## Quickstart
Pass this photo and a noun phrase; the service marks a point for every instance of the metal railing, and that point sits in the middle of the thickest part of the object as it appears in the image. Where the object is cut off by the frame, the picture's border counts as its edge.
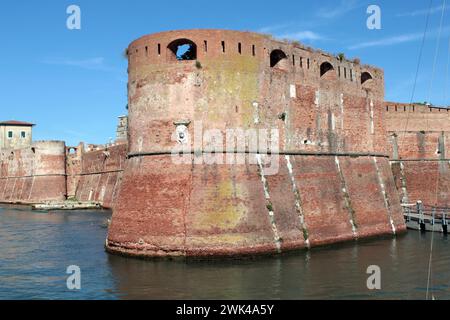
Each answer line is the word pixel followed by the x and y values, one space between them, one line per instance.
pixel 424 214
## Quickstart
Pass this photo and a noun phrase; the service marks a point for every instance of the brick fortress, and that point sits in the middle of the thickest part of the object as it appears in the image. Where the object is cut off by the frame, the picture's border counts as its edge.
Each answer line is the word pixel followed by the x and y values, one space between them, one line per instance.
pixel 334 182
pixel 41 171
pixel 346 159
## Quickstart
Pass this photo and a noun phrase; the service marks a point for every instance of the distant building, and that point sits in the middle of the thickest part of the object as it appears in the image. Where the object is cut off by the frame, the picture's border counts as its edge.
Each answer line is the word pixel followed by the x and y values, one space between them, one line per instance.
pixel 15 134
pixel 122 129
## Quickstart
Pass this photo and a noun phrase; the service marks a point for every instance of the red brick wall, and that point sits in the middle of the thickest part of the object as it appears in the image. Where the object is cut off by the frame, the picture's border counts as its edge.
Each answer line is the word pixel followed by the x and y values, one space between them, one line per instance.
pixel 406 117
pixel 419 139
pixel 193 209
pixel 33 174
pixel 100 175
pixel 203 210
pixel 73 168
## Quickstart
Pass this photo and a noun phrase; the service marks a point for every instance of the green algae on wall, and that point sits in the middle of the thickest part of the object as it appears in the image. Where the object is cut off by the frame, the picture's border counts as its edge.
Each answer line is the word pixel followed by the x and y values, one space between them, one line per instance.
pixel 235 80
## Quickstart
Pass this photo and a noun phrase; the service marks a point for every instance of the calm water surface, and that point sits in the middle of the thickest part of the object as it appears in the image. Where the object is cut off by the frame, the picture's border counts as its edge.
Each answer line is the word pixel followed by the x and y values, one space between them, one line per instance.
pixel 36 248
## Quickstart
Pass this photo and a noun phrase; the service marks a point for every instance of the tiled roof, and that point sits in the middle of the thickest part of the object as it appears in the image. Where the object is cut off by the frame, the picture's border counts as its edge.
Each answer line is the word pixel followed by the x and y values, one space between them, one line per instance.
pixel 16 123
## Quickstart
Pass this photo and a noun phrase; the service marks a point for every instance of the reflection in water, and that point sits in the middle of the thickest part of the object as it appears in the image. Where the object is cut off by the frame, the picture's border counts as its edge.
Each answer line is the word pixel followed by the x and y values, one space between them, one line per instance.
pixel 36 248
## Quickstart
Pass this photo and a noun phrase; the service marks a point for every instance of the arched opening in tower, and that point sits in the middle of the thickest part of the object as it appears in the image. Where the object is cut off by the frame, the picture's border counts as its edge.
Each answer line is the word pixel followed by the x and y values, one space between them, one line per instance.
pixel 365 76
pixel 182 49
pixel 325 68
pixel 278 59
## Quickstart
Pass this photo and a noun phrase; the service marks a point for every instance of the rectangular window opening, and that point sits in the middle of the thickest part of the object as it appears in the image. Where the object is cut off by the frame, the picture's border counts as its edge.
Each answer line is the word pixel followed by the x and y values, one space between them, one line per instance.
pixel 223 46
pixel 301 62
pixel 253 50
pixel 240 48
pixel 308 63
pixel 159 49
pixel 10 134
pixel 206 45
pixel 23 134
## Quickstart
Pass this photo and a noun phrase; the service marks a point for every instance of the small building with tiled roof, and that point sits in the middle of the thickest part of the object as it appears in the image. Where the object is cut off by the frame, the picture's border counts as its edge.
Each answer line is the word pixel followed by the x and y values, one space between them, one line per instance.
pixel 16 123
pixel 15 134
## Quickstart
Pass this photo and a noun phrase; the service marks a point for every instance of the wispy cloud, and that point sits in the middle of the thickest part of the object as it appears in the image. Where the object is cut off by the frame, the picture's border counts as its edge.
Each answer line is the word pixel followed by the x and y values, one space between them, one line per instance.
pixel 274 28
pixel 342 8
pixel 398 39
pixel 422 12
pixel 291 31
pixel 96 63
pixel 302 36
pixel 388 41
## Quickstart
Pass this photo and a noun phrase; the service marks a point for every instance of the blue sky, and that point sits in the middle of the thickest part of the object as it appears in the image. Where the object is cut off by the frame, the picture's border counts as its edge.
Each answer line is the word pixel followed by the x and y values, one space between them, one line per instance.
pixel 72 83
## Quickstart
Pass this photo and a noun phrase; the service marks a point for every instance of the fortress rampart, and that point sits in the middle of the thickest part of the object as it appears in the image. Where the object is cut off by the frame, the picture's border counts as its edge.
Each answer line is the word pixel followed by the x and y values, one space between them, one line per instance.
pixel 100 175
pixel 50 171
pixel 33 173
pixel 333 181
pixel 418 141
pixel 244 144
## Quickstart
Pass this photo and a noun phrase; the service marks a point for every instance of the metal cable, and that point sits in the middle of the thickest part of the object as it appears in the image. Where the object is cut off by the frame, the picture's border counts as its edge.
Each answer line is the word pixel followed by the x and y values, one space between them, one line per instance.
pixel 446 73
pixel 429 279
pixel 419 60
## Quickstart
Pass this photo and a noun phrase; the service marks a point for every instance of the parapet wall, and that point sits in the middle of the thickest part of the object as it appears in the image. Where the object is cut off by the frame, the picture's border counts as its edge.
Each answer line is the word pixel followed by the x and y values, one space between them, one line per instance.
pixel 333 181
pixel 416 117
pixel 48 171
pixel 34 173
pixel 419 138
pixel 227 88
pixel 100 174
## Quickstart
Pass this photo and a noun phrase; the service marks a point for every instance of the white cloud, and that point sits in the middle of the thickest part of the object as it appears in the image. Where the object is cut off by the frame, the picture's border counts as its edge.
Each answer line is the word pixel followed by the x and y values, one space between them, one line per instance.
pixel 344 7
pixel 97 63
pixel 422 12
pixel 291 31
pixel 388 41
pixel 398 39
pixel 301 35
pixel 273 28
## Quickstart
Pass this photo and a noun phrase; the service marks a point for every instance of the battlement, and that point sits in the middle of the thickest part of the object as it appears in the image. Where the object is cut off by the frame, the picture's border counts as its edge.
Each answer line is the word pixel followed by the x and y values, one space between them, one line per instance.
pixel 244 51
pixel 416 117
pixel 414 107
pixel 229 79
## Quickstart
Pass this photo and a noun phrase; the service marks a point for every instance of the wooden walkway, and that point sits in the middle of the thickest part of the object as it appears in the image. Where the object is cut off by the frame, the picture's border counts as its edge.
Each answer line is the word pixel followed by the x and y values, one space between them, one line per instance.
pixel 426 219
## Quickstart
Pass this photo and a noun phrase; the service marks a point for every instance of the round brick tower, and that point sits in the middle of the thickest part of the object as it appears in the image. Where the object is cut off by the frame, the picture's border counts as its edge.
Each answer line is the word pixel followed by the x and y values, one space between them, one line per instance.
pixel 326 178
